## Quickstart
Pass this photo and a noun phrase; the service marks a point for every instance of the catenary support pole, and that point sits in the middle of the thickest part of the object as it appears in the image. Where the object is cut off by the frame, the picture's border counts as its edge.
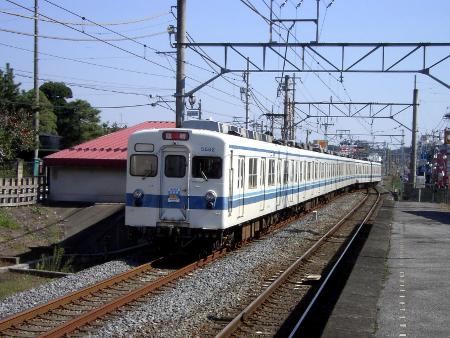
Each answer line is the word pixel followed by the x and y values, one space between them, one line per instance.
pixel 413 164
pixel 181 77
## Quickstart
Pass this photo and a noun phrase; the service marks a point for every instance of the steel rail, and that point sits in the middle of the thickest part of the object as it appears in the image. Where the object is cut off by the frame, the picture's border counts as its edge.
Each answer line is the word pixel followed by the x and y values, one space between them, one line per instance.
pixel 66 299
pixel 90 316
pixel 335 266
pixel 228 330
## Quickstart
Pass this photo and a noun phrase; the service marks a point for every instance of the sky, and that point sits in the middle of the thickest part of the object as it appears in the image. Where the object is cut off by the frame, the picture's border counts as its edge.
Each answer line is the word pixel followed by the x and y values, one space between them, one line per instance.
pixel 128 63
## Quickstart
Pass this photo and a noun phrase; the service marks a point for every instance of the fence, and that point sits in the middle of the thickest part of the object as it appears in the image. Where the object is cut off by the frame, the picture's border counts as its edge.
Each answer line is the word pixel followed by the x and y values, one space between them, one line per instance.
pixel 428 194
pixel 17 190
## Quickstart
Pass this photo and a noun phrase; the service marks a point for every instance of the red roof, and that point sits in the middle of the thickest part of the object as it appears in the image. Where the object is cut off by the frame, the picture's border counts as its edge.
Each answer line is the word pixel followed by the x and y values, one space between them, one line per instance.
pixel 108 150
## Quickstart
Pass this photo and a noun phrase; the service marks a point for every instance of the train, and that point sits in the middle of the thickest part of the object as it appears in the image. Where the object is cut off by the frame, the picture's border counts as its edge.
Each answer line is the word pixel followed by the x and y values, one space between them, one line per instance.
pixel 216 184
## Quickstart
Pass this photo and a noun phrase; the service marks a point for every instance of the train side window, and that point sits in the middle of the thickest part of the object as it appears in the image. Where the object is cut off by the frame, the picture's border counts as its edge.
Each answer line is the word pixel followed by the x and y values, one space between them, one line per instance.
pixel 143 165
pixel 211 167
pixel 316 170
pixel 271 178
pixel 252 172
pixel 262 176
pixel 279 172
pixel 286 172
pixel 175 166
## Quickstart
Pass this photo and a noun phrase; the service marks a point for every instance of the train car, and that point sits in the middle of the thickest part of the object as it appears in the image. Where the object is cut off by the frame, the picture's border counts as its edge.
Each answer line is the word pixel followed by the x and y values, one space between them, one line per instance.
pixel 226 184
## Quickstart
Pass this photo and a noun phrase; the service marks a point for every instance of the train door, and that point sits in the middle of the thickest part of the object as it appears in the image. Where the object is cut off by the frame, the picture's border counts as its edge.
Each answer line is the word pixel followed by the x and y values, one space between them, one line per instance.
pixel 230 185
pixel 240 185
pixel 174 201
pixel 262 183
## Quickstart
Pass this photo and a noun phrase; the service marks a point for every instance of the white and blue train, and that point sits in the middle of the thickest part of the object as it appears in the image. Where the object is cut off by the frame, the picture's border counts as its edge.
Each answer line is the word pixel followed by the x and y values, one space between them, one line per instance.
pixel 226 184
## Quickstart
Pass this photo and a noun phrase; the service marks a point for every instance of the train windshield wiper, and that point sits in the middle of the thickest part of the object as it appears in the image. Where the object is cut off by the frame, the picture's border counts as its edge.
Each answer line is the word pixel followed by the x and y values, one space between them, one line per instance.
pixel 203 175
pixel 147 174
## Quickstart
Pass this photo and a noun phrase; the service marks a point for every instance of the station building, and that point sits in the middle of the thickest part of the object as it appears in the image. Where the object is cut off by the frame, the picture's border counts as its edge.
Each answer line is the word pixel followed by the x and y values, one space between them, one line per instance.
pixel 94 171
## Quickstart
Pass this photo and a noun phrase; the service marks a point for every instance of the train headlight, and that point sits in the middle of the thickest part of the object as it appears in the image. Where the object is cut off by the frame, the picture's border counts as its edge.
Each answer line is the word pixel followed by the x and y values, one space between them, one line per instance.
pixel 138 196
pixel 210 198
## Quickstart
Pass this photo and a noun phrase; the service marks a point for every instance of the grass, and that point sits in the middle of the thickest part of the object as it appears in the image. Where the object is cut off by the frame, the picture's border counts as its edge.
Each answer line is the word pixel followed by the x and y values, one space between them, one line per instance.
pixel 11 283
pixel 55 262
pixel 7 222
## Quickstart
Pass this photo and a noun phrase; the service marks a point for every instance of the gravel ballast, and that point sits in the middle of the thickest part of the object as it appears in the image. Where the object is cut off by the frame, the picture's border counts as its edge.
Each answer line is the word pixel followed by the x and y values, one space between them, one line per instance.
pixel 219 290
pixel 25 300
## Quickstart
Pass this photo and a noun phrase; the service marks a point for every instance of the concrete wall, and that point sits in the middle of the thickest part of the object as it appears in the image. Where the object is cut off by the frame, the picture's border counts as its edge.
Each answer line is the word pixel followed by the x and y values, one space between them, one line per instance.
pixel 87 184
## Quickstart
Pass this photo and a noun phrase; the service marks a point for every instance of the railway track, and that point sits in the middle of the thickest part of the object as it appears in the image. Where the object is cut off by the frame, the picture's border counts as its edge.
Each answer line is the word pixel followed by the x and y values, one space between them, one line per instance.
pixel 82 312
pixel 74 311
pixel 295 289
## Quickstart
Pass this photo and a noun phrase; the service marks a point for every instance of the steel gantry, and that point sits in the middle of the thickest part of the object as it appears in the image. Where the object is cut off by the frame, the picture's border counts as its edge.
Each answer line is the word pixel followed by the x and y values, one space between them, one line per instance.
pixel 365 110
pixel 360 61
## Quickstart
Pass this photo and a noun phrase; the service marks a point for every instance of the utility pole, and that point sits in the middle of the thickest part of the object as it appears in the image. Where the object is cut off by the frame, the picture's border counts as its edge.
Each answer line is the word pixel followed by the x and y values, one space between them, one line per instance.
pixel 292 106
pixel 247 75
pixel 403 153
pixel 307 135
pixel 413 164
pixel 181 77
pixel 36 92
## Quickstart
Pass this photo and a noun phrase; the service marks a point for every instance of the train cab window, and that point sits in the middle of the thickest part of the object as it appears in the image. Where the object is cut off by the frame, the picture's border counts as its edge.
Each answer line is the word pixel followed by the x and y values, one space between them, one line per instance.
pixel 205 166
pixel 143 165
pixel 175 166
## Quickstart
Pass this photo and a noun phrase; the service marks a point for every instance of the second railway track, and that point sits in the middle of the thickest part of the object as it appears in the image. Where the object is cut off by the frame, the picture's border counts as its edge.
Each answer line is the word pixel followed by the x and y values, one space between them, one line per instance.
pixel 294 289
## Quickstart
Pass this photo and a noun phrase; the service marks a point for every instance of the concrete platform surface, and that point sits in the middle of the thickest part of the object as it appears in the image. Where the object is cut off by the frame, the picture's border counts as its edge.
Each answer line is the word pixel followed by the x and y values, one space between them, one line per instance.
pixel 415 301
pixel 399 285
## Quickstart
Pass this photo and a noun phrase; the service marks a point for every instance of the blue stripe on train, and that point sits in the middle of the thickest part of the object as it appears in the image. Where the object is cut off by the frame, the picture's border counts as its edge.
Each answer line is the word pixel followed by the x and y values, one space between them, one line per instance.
pixel 199 202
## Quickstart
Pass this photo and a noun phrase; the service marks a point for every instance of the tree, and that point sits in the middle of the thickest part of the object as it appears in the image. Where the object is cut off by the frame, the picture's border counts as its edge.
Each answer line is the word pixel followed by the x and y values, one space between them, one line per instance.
pixel 47 117
pixel 78 123
pixel 109 127
pixel 16 128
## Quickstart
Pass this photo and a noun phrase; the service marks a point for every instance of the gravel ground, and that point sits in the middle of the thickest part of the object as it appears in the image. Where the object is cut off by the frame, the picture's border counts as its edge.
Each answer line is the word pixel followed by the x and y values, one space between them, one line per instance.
pixel 24 300
pixel 217 291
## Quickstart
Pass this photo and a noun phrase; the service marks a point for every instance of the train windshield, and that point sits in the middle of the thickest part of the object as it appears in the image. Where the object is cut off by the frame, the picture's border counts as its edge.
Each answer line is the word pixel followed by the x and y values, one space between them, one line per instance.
pixel 211 167
pixel 143 165
pixel 175 166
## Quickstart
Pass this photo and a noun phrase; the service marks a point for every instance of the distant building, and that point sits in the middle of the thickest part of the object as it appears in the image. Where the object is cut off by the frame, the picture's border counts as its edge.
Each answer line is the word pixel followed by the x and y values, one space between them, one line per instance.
pixel 94 171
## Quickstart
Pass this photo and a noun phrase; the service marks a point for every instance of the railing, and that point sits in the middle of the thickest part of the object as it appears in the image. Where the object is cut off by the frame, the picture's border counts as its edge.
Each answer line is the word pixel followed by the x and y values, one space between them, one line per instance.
pixel 430 193
pixel 17 190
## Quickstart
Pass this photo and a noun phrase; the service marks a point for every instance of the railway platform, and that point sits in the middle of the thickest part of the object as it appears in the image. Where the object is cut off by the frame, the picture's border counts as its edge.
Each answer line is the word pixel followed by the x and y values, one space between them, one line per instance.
pixel 397 284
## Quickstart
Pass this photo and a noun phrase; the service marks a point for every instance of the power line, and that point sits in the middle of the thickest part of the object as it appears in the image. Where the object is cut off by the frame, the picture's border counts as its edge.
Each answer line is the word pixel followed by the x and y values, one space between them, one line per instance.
pixel 51 37
pixel 89 63
pixel 132 21
pixel 94 37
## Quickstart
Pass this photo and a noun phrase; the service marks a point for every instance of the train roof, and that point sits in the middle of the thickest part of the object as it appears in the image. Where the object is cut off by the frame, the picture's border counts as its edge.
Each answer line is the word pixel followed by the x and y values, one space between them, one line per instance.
pixel 233 136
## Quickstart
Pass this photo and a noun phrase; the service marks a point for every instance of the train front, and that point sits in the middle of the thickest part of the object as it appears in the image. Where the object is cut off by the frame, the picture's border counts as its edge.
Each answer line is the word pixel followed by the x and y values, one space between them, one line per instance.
pixel 175 185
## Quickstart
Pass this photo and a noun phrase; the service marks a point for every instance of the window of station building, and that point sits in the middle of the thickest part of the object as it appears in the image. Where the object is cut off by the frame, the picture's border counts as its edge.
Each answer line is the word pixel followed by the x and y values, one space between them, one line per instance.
pixel 271 177
pixel 143 165
pixel 175 166
pixel 205 166
pixel 252 172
